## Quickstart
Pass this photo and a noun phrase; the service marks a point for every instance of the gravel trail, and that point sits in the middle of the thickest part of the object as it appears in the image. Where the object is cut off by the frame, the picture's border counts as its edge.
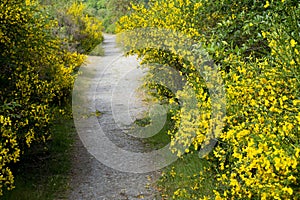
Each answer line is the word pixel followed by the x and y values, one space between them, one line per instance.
pixel 109 93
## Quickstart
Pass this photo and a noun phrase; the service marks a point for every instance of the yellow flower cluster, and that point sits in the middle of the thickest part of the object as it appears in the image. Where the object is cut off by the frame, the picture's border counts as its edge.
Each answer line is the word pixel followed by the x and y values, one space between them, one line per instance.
pixel 257 153
pixel 36 76
pixel 89 32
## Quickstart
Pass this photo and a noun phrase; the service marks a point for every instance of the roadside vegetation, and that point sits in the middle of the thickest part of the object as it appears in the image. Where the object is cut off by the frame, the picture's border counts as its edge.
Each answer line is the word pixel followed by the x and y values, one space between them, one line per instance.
pixel 255 47
pixel 42 46
pixel 43 171
pixel 109 11
pixel 43 43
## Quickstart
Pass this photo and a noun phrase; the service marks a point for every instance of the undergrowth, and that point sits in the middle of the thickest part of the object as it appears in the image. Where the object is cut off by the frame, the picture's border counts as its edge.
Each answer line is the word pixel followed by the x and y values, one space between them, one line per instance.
pixel 43 172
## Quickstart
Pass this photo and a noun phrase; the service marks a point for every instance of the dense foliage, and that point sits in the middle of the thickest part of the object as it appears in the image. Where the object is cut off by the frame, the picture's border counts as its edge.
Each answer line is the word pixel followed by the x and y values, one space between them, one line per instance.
pixel 255 45
pixel 77 27
pixel 80 31
pixel 109 11
pixel 36 76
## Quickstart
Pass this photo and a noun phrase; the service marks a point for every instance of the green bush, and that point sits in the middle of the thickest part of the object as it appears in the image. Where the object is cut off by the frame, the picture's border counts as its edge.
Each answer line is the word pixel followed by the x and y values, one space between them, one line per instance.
pixel 82 32
pixel 255 46
pixel 36 77
pixel 109 11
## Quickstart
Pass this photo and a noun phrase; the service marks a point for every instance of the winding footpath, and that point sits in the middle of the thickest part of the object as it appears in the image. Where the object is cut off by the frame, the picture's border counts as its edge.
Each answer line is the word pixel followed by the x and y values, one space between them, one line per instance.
pixel 112 91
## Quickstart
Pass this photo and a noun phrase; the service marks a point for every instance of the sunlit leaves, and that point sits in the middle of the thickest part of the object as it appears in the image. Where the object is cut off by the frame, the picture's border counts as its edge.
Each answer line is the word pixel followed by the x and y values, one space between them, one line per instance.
pixel 257 46
pixel 35 78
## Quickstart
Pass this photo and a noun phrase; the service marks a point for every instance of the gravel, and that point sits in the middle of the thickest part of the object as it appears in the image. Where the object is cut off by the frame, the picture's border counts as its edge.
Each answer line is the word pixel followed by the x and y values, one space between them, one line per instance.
pixel 108 97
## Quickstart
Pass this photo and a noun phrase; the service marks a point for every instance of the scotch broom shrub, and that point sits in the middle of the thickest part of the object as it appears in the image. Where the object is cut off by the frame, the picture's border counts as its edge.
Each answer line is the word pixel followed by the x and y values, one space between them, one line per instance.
pixel 36 77
pixel 81 31
pixel 255 46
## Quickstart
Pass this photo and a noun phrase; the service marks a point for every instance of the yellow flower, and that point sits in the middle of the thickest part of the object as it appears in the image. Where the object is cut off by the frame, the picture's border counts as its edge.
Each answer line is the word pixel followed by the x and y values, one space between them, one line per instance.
pixel 289 190
pixel 297 151
pixel 292 178
pixel 292 62
pixel 27 2
pixel 293 43
pixel 197 5
pixel 267 4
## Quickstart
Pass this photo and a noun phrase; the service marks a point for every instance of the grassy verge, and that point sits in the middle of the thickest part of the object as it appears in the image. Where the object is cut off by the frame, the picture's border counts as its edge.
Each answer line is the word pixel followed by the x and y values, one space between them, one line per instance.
pixel 184 173
pixel 161 138
pixel 42 174
pixel 98 51
pixel 180 180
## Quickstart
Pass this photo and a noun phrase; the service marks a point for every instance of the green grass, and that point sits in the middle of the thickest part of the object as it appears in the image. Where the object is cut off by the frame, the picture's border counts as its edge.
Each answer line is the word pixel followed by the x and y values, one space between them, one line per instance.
pixel 43 172
pixel 98 51
pixel 161 138
pixel 184 173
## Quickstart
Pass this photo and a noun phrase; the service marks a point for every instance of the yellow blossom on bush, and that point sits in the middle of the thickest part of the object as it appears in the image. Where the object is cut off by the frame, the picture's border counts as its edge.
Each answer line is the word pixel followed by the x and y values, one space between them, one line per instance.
pixel 257 154
pixel 36 77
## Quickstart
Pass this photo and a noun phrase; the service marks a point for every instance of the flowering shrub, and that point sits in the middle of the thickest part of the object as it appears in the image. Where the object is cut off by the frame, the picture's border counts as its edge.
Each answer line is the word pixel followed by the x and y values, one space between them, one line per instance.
pixel 255 45
pixel 36 77
pixel 82 32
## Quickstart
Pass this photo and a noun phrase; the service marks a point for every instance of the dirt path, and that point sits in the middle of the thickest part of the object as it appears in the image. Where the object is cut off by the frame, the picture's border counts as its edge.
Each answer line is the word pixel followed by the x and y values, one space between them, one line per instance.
pixel 107 92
